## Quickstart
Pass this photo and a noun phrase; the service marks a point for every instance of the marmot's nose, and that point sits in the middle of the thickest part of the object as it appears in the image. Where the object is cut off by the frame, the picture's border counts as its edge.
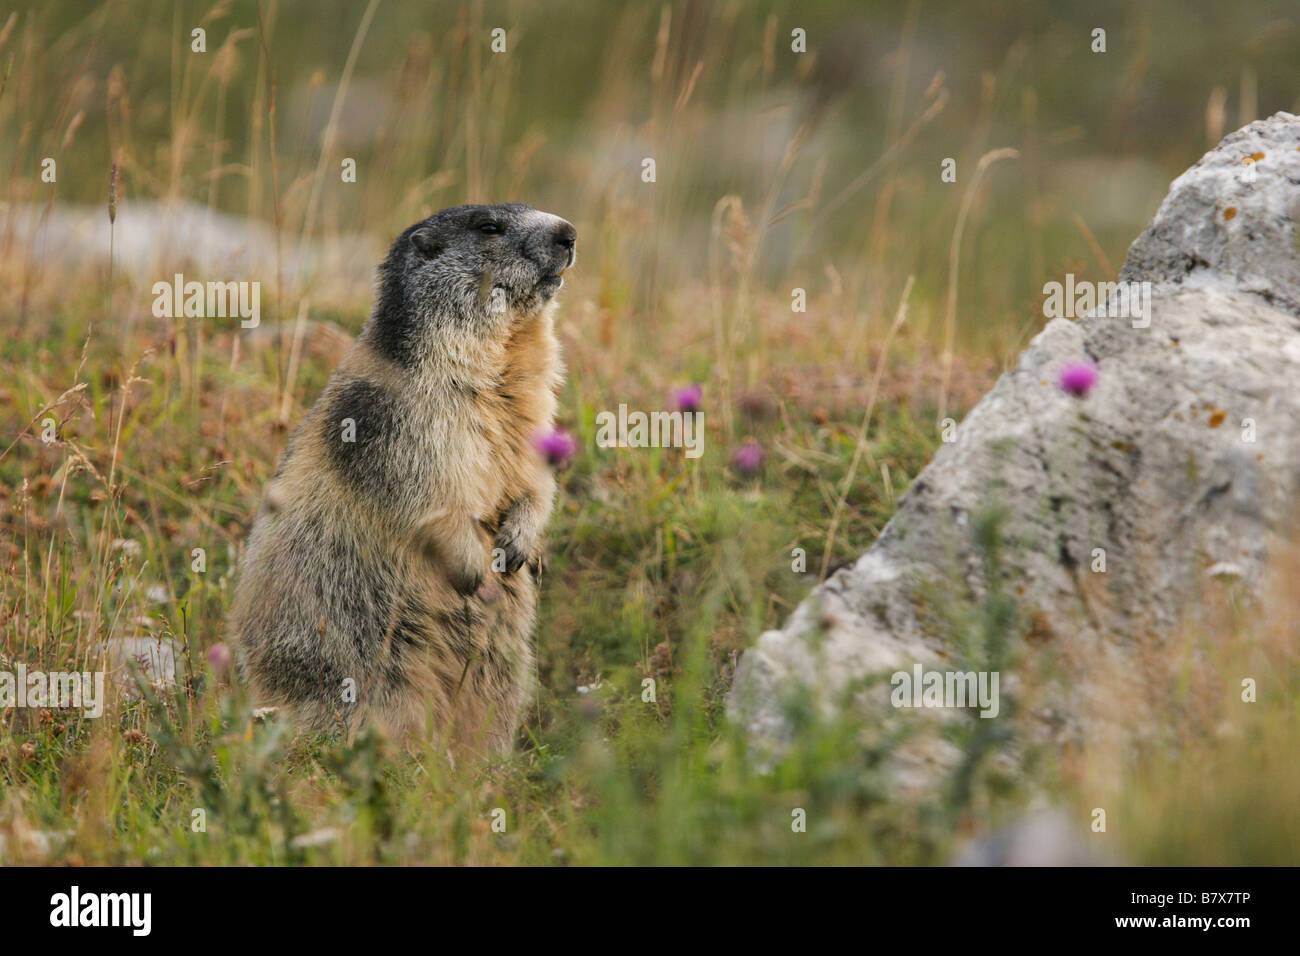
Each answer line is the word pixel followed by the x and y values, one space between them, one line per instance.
pixel 565 235
pixel 565 238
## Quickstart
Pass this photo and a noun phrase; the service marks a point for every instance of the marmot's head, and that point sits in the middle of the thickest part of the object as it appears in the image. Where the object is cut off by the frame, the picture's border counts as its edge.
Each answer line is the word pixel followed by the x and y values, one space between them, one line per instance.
pixel 475 268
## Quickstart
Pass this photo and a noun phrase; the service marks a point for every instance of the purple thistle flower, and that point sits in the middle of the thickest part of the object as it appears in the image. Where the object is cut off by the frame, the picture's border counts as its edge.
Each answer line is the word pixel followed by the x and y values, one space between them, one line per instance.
pixel 219 657
pixel 748 458
pixel 1078 378
pixel 556 445
pixel 688 398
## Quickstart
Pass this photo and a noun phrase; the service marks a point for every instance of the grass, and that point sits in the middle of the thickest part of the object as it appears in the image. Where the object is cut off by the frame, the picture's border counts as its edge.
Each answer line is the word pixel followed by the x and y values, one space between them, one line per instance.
pixel 659 568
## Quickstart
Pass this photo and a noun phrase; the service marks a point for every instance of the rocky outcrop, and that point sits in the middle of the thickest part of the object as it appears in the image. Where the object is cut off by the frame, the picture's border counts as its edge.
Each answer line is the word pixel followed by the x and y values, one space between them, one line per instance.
pixel 1176 473
pixel 151 239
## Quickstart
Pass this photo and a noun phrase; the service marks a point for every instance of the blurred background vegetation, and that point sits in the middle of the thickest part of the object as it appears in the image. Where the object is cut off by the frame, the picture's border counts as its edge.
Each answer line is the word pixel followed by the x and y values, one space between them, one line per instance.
pixel 831 153
pixel 775 171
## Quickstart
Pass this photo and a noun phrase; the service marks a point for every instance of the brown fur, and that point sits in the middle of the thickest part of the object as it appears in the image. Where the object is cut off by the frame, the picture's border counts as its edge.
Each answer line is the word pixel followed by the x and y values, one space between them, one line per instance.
pixel 400 590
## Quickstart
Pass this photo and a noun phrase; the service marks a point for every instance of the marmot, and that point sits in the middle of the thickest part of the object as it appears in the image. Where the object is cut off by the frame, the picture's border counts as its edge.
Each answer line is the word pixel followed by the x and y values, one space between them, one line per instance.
pixel 390 577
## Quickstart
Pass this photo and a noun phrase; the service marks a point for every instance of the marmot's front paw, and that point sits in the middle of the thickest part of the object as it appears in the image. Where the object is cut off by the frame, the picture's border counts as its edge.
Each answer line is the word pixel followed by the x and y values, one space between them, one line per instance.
pixel 511 554
pixel 516 539
pixel 462 557
pixel 465 580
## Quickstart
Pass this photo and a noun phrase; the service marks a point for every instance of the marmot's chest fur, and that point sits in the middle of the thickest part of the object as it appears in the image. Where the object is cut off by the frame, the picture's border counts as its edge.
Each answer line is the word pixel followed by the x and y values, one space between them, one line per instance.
pixel 391 573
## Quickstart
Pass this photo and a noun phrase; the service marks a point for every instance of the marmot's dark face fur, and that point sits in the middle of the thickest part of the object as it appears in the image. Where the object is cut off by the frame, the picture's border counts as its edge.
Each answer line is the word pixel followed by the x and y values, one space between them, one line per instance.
pixel 391 575
pixel 473 268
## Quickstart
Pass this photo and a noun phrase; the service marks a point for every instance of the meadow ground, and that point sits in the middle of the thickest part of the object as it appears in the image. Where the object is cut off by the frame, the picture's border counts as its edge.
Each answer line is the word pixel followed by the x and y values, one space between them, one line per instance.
pixel 918 292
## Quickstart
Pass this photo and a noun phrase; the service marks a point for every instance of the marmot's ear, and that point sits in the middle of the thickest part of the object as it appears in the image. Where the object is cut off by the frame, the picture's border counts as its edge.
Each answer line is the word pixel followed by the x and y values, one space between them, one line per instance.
pixel 426 243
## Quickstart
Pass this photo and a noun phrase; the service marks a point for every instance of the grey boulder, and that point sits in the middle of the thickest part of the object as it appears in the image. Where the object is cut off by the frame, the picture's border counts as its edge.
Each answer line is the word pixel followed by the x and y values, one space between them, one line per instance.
pixel 1175 474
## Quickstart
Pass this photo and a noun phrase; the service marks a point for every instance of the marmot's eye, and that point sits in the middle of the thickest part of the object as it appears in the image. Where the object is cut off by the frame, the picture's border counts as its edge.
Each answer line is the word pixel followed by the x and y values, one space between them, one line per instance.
pixel 489 228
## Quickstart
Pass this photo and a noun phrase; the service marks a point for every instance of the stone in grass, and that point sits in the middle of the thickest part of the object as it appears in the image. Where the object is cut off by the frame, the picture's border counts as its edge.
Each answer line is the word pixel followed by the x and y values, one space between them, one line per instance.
pixel 1121 511
pixel 1043 838
pixel 21 844
pixel 155 657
